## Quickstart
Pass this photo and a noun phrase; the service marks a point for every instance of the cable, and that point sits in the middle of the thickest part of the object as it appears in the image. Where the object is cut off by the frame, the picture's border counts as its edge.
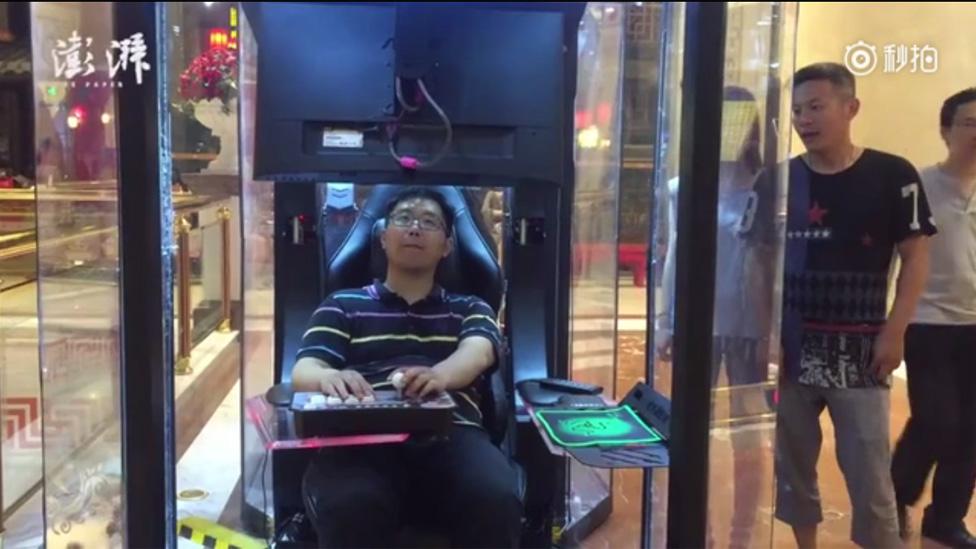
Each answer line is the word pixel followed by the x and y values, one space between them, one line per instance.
pixel 447 122
pixel 403 103
pixel 409 162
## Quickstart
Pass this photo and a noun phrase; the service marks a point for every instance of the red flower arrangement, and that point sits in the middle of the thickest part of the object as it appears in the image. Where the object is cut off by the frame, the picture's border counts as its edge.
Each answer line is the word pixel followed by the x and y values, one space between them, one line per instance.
pixel 211 75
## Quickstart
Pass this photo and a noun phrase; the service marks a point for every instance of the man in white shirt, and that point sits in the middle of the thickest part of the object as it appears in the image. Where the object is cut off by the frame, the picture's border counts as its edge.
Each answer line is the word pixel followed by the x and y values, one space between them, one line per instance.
pixel 940 344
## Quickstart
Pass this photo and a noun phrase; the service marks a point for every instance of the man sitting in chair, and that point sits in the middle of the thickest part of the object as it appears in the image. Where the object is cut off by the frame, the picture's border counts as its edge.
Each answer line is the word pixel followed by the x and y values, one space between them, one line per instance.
pixel 360 496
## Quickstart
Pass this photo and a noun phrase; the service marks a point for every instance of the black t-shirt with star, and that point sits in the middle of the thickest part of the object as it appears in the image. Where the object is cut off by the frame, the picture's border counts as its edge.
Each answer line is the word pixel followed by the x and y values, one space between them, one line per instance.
pixel 841 234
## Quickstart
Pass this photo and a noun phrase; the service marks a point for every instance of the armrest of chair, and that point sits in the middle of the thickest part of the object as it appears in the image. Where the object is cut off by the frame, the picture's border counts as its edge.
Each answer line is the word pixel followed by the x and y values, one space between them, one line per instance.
pixel 501 407
pixel 280 394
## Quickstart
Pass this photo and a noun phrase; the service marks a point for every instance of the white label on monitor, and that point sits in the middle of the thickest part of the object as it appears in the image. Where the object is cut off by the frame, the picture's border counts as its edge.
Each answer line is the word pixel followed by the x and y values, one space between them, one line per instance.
pixel 342 139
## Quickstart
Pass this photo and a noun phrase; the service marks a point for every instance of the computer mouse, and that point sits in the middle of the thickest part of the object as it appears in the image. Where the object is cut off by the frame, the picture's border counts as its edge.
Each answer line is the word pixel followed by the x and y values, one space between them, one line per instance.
pixel 280 394
pixel 536 395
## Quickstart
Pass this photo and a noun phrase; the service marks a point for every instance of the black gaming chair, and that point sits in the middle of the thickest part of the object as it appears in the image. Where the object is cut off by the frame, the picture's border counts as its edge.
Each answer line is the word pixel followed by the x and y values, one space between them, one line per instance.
pixel 471 269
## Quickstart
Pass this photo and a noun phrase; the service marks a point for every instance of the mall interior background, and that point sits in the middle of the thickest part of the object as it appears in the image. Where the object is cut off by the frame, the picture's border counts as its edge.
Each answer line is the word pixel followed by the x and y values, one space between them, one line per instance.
pixel 59 247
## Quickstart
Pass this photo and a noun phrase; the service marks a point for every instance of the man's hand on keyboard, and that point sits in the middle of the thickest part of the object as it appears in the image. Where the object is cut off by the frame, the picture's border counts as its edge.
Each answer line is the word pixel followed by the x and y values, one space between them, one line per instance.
pixel 342 383
pixel 422 382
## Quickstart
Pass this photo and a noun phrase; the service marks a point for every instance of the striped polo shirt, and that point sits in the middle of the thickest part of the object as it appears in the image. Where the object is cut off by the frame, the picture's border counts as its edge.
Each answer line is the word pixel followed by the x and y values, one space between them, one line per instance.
pixel 375 331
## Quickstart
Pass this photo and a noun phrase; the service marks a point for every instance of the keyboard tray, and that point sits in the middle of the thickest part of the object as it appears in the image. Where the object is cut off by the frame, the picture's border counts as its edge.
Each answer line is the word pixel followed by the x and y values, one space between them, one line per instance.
pixel 388 414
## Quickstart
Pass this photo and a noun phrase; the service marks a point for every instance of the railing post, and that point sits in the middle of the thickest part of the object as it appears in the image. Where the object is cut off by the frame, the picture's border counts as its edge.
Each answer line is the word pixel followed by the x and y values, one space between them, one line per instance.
pixel 223 214
pixel 182 230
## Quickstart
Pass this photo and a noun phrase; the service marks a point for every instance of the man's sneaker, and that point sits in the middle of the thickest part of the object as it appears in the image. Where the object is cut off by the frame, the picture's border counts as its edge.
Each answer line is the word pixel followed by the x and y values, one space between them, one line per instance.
pixel 952 536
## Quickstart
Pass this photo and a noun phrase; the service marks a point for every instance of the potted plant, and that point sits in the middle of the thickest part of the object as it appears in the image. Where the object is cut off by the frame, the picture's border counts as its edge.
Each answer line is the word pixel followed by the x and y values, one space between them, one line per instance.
pixel 208 89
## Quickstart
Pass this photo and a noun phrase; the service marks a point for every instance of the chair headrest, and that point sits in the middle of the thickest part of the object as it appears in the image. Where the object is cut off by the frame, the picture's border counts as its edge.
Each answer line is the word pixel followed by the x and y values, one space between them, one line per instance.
pixel 471 269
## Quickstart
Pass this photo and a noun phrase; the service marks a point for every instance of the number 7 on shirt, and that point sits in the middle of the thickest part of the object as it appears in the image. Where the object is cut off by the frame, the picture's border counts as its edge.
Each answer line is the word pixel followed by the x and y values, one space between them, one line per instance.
pixel 912 189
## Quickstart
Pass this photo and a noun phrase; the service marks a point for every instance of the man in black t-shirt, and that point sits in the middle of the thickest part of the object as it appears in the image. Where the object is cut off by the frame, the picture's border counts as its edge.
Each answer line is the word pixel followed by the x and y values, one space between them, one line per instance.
pixel 848 210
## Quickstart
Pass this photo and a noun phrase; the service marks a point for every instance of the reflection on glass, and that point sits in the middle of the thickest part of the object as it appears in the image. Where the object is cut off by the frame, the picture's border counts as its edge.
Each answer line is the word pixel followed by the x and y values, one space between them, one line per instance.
pixel 259 295
pixel 746 263
pixel 20 395
pixel 493 206
pixel 641 73
pixel 78 262
pixel 593 300
pixel 742 313
pixel 203 86
pixel 664 227
pixel 20 390
pixel 339 211
pixel 665 179
pixel 746 266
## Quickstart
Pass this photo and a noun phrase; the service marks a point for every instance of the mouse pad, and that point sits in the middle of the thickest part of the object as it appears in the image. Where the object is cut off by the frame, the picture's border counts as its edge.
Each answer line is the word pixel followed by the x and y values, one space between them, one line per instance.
pixel 607 427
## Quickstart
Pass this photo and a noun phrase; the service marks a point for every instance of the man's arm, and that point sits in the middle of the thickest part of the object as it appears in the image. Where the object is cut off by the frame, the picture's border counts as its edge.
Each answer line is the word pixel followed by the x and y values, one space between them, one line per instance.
pixel 473 356
pixel 914 254
pixel 666 235
pixel 889 350
pixel 479 338
pixel 321 364
pixel 912 224
pixel 308 373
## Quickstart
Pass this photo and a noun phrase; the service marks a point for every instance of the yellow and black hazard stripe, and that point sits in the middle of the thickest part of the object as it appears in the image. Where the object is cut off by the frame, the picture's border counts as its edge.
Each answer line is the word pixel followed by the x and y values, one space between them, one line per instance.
pixel 557 534
pixel 214 536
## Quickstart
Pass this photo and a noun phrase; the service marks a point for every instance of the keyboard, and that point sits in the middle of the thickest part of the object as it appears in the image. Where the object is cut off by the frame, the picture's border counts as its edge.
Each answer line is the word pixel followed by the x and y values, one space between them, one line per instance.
pixel 318 416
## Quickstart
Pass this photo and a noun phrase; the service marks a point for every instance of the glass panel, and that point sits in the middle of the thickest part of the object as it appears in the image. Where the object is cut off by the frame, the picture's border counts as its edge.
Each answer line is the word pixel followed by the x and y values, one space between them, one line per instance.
pixel 202 88
pixel 593 300
pixel 20 384
pixel 641 71
pixel 664 236
pixel 78 265
pixel 259 294
pixel 665 192
pixel 746 323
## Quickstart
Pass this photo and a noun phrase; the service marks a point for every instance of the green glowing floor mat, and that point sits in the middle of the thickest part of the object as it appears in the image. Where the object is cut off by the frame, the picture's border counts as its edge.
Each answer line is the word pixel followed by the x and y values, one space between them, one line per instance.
pixel 619 426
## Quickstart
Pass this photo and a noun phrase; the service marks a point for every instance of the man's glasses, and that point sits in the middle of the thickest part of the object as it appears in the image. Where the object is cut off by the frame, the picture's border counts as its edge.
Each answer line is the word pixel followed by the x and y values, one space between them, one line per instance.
pixel 406 220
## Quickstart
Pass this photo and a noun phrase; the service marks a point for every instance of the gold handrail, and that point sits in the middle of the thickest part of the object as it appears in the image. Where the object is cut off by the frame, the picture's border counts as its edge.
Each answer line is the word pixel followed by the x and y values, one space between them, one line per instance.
pixel 754 419
pixel 193 203
pixel 762 385
pixel 223 214
pixel 15 236
pixel 30 247
pixel 182 229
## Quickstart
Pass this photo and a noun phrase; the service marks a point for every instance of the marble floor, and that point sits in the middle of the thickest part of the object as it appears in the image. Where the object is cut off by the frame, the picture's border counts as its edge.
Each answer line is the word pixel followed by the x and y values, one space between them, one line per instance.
pixel 212 462
pixel 83 473
pixel 623 527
